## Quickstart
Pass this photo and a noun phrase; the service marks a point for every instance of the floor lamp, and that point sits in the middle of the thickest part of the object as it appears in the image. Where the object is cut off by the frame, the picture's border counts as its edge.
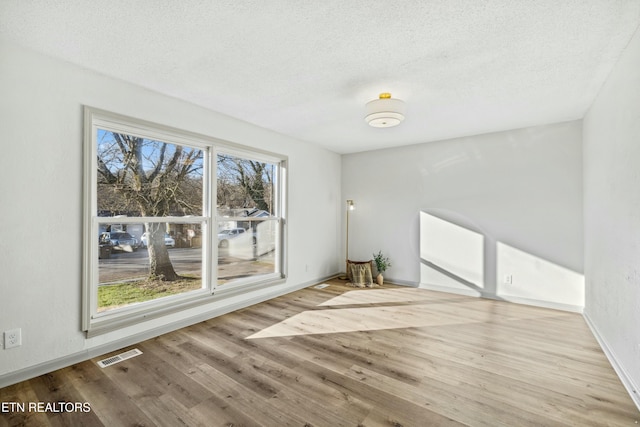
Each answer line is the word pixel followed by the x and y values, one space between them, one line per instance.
pixel 350 206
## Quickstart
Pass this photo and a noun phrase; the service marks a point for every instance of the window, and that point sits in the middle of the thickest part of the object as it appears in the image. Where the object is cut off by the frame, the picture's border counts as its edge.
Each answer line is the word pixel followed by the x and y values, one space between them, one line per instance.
pixel 154 240
pixel 247 237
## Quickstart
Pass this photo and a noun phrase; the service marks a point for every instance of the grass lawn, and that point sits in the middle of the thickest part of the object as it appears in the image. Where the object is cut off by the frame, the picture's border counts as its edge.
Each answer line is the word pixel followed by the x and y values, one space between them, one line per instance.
pixel 121 294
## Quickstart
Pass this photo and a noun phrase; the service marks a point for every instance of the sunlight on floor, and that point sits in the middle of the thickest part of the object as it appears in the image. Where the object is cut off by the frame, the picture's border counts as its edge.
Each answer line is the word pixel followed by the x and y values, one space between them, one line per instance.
pixel 391 309
pixel 377 296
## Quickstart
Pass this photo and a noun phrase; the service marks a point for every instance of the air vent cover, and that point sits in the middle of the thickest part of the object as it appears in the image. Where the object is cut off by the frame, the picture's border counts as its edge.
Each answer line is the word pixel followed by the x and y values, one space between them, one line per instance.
pixel 119 358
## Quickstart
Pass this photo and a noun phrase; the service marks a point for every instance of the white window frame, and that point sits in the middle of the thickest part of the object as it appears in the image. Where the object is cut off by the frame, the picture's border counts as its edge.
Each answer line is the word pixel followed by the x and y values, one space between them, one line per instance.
pixel 279 204
pixel 94 323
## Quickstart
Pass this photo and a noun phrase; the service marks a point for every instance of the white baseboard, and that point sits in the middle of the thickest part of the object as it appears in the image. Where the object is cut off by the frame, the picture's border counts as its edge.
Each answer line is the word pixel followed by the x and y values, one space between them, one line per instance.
pixel 447 289
pixel 508 298
pixel 62 362
pixel 541 303
pixel 628 383
pixel 402 282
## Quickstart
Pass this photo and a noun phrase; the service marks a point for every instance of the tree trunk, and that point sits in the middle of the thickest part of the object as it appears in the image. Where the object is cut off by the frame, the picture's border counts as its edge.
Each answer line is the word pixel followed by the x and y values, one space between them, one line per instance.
pixel 160 266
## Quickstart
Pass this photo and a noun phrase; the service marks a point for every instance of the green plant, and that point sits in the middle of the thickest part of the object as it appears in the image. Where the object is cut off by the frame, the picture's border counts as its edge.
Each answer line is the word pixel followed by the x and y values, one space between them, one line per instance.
pixel 382 262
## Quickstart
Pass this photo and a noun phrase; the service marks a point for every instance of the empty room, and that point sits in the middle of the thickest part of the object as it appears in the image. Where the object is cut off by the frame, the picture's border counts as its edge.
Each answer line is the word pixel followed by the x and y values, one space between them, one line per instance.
pixel 336 213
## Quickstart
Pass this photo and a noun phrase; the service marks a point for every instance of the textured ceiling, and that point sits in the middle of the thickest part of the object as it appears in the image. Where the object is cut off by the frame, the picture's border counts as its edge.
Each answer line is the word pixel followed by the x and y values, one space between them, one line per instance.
pixel 306 69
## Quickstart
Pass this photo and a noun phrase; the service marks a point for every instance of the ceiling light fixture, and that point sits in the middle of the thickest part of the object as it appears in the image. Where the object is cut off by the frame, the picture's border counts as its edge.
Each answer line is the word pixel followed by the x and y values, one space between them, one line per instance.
pixel 384 112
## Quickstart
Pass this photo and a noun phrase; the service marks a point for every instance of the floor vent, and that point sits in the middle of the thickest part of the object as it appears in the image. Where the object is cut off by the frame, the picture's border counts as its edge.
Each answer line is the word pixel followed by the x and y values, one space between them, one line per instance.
pixel 321 286
pixel 119 358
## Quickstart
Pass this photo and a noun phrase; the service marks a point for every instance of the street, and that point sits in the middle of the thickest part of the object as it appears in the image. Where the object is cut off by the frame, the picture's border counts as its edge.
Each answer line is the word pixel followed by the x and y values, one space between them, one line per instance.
pixel 133 265
pixel 123 266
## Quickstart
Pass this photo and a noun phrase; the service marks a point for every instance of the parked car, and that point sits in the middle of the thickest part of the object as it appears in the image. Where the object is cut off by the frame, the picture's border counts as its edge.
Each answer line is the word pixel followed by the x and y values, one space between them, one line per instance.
pixel 168 240
pixel 123 241
pixel 225 235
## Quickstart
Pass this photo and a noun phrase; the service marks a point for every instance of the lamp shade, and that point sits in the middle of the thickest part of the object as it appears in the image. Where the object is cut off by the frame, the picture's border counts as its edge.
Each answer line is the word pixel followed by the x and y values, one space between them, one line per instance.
pixel 384 112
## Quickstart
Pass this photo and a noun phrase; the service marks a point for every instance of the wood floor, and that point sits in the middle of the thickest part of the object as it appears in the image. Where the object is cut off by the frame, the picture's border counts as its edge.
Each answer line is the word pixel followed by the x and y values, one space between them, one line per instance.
pixel 341 356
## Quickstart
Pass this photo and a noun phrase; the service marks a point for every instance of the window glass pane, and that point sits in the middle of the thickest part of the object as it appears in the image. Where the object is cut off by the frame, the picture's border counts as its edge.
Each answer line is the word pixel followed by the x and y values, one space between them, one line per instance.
pixel 143 177
pixel 247 218
pixel 245 187
pixel 246 252
pixel 124 266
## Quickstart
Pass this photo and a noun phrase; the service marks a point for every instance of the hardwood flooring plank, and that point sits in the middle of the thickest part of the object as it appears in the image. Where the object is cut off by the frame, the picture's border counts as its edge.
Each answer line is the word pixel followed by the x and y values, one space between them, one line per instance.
pixel 166 411
pixel 55 394
pixel 464 350
pixel 341 356
pixel 241 403
pixel 300 389
pixel 155 367
pixel 398 411
pixel 383 364
pixel 112 405
pixel 21 394
pixel 272 372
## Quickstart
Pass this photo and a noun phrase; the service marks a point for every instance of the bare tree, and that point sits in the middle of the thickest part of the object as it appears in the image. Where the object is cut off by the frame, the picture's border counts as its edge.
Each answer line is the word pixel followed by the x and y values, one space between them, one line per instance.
pixel 153 179
pixel 244 183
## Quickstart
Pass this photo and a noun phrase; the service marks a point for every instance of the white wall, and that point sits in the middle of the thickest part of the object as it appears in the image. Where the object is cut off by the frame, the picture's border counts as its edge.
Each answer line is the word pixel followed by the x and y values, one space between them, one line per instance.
pixel 612 216
pixel 41 194
pixel 514 197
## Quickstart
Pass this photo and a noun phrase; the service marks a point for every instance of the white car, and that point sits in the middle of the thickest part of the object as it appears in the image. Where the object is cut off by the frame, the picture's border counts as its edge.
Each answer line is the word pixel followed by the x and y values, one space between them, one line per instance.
pixel 225 235
pixel 168 240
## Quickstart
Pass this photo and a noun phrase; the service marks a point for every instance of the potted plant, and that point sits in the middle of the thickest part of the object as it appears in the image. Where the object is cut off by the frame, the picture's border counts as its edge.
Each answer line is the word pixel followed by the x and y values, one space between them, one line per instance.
pixel 382 263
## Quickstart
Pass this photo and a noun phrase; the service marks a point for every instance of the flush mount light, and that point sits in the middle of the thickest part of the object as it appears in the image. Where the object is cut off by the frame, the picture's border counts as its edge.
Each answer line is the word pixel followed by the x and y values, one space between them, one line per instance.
pixel 384 112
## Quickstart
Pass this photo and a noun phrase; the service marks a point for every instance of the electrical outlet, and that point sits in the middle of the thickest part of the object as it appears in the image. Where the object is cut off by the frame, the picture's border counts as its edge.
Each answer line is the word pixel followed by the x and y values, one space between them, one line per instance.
pixel 12 338
pixel 508 279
